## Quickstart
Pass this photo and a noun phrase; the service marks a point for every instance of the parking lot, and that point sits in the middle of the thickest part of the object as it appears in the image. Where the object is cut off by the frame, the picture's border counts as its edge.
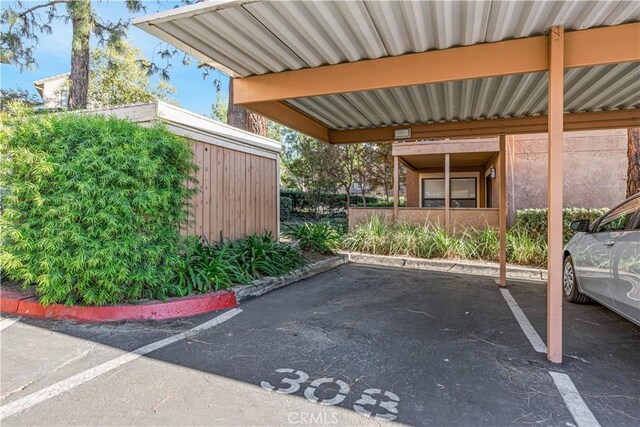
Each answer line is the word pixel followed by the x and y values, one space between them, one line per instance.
pixel 355 345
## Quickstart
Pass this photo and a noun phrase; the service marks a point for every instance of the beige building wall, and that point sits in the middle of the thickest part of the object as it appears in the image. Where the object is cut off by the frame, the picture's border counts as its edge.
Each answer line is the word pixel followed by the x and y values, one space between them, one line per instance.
pixel 595 165
pixel 53 91
pixel 595 171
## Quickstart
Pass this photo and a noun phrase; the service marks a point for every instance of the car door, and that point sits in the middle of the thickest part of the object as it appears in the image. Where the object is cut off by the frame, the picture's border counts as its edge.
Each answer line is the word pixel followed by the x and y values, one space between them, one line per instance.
pixel 625 267
pixel 594 254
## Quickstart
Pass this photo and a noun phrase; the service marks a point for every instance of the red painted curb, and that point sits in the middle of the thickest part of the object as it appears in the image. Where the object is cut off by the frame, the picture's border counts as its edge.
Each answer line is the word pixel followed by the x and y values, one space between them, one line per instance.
pixel 18 304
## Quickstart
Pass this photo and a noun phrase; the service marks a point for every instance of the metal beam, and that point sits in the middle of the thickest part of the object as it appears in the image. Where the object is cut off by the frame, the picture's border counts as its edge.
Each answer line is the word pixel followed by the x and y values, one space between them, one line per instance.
pixel 554 189
pixel 290 117
pixel 596 46
pixel 467 145
pixel 493 127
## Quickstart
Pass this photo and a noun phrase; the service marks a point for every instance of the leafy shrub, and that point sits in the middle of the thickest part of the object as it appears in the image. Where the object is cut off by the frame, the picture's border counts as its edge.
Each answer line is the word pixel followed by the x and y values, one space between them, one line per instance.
pixel 534 221
pixel 261 255
pixel 94 207
pixel 330 203
pixel 205 267
pixel 286 208
pixel 379 236
pixel 318 237
pixel 190 272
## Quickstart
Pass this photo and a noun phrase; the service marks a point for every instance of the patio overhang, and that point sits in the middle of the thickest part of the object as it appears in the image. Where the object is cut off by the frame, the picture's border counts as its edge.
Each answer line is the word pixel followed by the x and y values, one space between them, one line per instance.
pixel 356 71
pixel 342 73
pixel 471 152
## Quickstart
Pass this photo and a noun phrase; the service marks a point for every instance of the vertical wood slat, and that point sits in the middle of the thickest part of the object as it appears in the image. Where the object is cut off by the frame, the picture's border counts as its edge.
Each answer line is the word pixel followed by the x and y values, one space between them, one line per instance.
pixel 247 195
pixel 199 195
pixel 238 194
pixel 193 205
pixel 225 193
pixel 219 193
pixel 255 161
pixel 206 192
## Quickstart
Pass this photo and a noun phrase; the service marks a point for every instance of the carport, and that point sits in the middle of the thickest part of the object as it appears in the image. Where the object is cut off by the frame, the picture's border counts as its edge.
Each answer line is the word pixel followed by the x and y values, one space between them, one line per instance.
pixel 358 71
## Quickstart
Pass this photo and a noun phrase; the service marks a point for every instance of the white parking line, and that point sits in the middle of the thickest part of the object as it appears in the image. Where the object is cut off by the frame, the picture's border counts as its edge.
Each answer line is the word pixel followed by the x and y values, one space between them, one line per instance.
pixel 579 410
pixel 81 378
pixel 527 328
pixel 5 322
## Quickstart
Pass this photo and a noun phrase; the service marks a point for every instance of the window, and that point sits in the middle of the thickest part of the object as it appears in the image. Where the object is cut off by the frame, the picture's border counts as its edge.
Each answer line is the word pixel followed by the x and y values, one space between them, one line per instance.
pixel 64 98
pixel 618 218
pixel 462 192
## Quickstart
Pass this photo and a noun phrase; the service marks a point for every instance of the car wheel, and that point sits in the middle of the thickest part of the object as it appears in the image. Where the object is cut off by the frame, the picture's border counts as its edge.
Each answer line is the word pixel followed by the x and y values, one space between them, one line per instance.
pixel 569 284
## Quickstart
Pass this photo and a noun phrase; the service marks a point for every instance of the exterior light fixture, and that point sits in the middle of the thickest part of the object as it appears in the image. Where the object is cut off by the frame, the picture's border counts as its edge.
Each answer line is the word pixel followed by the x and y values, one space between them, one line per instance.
pixel 402 133
pixel 492 172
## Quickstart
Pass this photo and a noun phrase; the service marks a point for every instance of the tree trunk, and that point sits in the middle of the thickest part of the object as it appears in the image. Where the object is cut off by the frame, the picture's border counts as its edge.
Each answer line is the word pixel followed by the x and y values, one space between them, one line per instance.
pixel 348 191
pixel 241 118
pixel 80 11
pixel 364 196
pixel 633 157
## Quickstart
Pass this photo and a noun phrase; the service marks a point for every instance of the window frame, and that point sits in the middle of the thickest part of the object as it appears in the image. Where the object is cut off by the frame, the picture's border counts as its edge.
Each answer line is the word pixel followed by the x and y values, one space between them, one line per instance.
pixel 453 175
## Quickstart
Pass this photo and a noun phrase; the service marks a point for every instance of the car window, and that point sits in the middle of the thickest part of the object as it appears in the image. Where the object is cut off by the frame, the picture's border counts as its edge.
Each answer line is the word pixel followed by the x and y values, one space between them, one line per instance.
pixel 618 218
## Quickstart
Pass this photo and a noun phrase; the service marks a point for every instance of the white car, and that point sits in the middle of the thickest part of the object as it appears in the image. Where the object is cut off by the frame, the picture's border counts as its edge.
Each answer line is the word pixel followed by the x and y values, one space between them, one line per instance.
pixel 602 261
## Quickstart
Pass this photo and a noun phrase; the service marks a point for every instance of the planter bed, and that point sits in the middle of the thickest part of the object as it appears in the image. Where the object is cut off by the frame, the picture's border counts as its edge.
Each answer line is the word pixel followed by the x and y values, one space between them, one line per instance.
pixel 26 304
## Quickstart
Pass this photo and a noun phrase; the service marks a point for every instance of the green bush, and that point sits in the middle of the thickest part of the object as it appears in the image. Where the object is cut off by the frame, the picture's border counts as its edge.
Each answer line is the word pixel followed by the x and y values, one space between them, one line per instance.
pixel 318 237
pixel 205 267
pixel 379 236
pixel 94 207
pixel 261 255
pixel 534 221
pixel 331 204
pixel 286 208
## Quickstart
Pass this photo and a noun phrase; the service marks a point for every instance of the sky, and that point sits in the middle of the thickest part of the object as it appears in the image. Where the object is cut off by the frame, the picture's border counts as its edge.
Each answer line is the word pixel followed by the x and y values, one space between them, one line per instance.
pixel 53 55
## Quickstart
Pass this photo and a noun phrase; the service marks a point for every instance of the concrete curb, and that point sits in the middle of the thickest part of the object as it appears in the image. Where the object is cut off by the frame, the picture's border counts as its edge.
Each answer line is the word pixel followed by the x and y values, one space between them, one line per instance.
pixel 25 305
pixel 461 267
pixel 268 284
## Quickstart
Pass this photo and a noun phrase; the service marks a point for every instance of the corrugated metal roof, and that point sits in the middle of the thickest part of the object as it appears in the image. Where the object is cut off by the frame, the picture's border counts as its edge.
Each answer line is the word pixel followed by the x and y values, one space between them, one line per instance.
pixel 259 37
pixel 607 87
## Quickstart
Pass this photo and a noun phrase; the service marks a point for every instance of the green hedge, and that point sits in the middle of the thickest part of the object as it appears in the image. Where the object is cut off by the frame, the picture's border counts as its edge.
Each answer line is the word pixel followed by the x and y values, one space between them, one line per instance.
pixel 534 221
pixel 286 208
pixel 94 207
pixel 303 203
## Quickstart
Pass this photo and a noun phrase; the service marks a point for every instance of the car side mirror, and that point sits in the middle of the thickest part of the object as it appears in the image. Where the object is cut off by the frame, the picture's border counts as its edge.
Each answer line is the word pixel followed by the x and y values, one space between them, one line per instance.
pixel 580 225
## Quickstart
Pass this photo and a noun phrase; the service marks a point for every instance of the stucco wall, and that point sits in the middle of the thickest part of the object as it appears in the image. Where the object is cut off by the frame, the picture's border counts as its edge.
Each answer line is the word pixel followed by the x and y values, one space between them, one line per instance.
pixel 595 166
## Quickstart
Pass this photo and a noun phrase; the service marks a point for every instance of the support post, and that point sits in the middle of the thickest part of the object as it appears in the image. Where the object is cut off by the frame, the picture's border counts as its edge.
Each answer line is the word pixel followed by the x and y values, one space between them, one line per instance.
pixel 555 183
pixel 502 182
pixel 395 188
pixel 447 191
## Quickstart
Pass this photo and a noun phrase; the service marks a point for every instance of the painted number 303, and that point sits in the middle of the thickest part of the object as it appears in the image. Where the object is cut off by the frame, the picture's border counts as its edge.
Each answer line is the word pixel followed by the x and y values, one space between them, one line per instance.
pixel 371 398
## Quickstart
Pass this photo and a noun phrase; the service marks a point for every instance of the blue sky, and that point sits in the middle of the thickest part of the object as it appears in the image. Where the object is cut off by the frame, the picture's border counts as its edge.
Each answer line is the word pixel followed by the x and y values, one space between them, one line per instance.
pixel 53 55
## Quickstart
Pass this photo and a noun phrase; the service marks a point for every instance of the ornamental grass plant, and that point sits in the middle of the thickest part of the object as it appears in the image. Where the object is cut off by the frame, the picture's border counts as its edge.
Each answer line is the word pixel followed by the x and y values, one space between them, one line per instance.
pixel 379 236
